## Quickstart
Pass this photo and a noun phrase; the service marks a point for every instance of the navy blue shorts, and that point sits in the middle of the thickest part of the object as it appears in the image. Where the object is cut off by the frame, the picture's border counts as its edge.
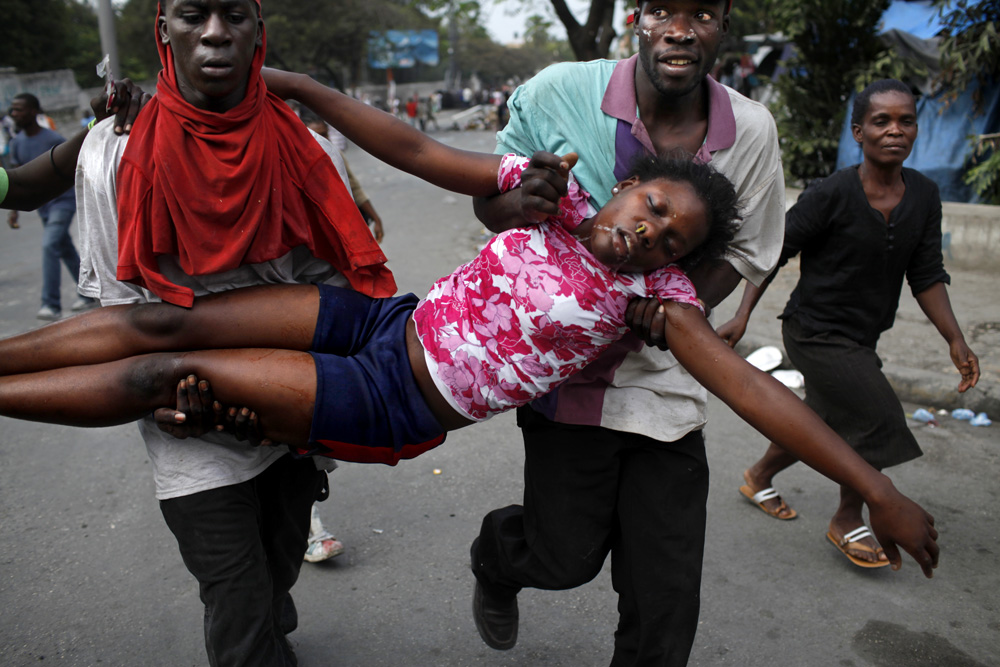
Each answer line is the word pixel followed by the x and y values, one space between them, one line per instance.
pixel 368 406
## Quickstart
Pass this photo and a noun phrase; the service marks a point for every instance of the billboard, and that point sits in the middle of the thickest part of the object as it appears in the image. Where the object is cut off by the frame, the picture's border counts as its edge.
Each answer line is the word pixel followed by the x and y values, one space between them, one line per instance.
pixel 402 48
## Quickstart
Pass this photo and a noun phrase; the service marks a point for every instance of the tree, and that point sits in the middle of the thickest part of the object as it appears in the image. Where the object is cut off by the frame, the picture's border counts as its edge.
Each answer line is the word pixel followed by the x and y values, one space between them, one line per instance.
pixel 835 40
pixel 970 58
pixel 592 38
pixel 135 28
pixel 42 35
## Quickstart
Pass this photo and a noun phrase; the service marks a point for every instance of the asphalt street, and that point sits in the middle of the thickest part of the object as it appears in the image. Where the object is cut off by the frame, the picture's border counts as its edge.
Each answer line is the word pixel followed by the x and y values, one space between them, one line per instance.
pixel 89 573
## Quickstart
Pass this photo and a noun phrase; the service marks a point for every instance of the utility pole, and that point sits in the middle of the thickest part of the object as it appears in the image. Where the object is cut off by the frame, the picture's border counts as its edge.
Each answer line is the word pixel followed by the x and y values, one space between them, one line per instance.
pixel 452 79
pixel 109 44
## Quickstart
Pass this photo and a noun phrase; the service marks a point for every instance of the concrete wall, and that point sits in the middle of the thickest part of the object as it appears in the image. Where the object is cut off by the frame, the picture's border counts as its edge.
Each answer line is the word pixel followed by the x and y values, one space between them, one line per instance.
pixel 971 236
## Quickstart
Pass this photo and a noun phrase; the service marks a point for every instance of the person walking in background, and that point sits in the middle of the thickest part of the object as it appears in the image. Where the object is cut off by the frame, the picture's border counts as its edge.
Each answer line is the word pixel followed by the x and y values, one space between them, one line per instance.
pixel 57 215
pixel 859 232
pixel 412 109
pixel 368 212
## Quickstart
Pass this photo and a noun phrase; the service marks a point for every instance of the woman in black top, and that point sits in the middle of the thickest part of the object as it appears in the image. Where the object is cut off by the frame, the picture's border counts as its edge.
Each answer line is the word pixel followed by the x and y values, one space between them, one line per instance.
pixel 859 232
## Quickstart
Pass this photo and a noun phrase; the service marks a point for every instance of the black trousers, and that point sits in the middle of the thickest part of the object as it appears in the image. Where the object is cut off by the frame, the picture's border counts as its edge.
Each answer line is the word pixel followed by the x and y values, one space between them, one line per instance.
pixel 244 544
pixel 589 491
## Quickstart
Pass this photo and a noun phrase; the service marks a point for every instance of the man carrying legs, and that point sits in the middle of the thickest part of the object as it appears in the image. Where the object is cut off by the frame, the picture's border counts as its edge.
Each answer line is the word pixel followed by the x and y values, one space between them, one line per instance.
pixel 219 186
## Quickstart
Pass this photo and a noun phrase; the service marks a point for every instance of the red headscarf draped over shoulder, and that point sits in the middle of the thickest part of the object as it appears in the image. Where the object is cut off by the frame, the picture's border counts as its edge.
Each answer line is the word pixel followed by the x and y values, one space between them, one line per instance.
pixel 219 190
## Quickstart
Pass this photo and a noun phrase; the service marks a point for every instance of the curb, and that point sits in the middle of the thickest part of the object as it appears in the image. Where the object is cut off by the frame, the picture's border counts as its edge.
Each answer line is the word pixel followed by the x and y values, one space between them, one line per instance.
pixel 912 385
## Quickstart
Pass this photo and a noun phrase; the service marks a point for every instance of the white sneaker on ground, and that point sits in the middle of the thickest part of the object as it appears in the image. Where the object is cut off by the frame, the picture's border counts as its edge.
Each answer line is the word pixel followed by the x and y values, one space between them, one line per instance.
pixel 49 313
pixel 322 543
pixel 323 550
pixel 82 304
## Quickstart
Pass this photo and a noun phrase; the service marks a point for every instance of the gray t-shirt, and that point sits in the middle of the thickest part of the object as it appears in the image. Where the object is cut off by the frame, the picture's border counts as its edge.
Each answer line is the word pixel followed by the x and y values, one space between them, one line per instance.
pixel 180 467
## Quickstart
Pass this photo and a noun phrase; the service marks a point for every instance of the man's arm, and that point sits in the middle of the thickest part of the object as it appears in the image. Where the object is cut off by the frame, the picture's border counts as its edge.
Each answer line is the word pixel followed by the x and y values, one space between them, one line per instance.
pixel 714 280
pixel 936 305
pixel 49 175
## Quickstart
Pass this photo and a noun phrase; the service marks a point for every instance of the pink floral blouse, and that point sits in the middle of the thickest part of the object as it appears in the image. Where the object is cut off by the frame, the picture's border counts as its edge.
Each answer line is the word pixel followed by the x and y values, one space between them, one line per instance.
pixel 532 309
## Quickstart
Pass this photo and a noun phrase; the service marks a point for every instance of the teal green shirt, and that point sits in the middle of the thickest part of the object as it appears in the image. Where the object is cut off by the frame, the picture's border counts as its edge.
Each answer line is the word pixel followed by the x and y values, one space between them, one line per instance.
pixel 3 184
pixel 559 110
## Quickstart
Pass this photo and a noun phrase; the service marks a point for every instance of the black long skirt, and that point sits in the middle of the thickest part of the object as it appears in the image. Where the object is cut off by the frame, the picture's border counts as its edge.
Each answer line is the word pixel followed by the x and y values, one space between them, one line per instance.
pixel 845 386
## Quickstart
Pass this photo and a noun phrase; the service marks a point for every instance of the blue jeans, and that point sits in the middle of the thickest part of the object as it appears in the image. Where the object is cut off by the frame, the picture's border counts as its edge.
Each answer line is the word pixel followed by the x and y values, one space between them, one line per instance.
pixel 57 246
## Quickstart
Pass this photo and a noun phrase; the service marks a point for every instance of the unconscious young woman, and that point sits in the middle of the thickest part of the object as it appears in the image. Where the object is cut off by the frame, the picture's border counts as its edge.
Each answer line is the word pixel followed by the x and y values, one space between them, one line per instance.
pixel 331 371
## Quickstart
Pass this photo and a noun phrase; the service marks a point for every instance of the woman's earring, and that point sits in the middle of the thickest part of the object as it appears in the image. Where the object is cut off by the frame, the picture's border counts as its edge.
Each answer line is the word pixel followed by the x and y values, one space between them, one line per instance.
pixel 614 190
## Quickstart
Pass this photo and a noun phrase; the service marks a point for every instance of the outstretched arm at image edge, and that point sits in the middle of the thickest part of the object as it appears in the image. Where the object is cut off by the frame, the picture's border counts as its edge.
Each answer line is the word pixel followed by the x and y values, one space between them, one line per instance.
pixel 48 176
pixel 781 416
pixel 389 139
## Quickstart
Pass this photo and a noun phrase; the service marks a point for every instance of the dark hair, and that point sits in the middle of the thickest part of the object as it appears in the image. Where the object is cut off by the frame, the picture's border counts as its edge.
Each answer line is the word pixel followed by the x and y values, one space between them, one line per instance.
pixel 863 100
pixel 30 99
pixel 714 190
pixel 309 116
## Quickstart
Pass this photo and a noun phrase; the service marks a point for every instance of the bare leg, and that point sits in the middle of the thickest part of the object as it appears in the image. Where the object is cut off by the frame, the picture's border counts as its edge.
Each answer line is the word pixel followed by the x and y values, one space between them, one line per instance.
pixel 280 384
pixel 272 316
pixel 760 476
pixel 847 518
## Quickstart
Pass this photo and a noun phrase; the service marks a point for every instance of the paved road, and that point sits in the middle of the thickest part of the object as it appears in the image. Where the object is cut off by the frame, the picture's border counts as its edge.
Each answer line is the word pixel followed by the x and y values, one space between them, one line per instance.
pixel 90 575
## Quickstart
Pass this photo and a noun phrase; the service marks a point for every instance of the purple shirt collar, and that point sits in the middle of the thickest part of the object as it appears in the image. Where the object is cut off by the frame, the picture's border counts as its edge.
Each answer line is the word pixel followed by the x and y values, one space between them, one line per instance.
pixel 619 102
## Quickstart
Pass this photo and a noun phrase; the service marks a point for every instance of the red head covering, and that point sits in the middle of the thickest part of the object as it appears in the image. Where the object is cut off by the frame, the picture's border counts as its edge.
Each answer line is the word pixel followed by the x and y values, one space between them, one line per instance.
pixel 219 190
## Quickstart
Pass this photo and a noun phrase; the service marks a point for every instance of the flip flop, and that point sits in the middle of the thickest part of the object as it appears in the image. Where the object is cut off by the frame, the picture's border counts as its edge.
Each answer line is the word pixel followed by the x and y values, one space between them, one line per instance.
pixel 758 498
pixel 848 542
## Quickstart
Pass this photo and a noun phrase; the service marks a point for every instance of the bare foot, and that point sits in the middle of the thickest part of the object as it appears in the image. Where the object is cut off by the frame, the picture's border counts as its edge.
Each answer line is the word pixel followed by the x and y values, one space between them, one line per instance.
pixel 773 505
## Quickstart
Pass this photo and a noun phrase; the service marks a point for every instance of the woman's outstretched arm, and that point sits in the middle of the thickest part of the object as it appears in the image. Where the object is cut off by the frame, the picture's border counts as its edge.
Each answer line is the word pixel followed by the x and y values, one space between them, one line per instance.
pixel 271 316
pixel 936 305
pixel 781 416
pixel 390 139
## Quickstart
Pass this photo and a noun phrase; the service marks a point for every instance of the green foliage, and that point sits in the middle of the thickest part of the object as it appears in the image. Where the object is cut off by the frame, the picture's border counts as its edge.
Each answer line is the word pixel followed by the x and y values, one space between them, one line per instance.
pixel 984 175
pixel 970 58
pixel 750 17
pixel 970 46
pixel 592 38
pixel 835 41
pixel 136 31
pixel 888 65
pixel 42 35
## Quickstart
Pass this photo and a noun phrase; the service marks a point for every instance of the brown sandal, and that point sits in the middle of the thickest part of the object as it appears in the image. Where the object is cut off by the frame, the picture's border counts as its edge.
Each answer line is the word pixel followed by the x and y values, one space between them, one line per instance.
pixel 851 540
pixel 758 498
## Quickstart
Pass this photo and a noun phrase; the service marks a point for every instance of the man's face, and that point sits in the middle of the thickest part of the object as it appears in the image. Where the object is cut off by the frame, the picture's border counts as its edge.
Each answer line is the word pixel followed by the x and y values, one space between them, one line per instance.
pixel 23 114
pixel 213 43
pixel 679 41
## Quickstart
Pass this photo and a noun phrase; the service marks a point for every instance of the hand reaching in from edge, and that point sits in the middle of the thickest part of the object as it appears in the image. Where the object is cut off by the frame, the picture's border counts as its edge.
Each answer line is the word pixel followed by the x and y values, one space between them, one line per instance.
pixel 126 102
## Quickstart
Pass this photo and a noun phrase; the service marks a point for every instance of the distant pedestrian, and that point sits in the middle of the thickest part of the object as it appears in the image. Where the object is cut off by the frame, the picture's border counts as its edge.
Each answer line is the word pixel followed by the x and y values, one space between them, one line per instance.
pixel 412 109
pixel 57 215
pixel 860 232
